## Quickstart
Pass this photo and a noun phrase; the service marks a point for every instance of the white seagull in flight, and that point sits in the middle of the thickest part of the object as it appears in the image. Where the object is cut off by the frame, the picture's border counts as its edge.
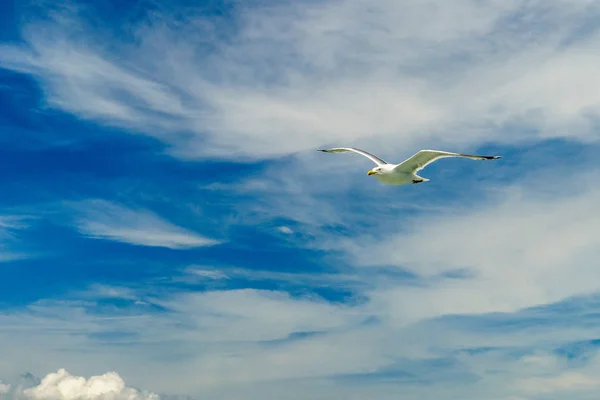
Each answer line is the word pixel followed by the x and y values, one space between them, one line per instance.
pixel 406 171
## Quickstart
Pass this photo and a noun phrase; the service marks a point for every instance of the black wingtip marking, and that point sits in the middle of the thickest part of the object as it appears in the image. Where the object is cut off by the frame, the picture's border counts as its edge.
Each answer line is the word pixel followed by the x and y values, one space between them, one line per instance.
pixel 482 157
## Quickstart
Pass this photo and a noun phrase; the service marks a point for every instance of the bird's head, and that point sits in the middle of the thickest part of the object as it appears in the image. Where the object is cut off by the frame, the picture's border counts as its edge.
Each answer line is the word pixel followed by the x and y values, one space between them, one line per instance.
pixel 376 171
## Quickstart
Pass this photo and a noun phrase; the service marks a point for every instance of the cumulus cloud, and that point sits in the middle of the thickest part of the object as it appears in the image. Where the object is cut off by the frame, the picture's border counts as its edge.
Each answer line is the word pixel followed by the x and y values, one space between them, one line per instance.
pixel 104 220
pixel 4 388
pixel 61 385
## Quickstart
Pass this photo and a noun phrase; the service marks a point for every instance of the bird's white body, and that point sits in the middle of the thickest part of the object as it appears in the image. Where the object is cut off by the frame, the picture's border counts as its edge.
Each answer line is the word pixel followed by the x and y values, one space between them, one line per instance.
pixel 405 172
pixel 390 176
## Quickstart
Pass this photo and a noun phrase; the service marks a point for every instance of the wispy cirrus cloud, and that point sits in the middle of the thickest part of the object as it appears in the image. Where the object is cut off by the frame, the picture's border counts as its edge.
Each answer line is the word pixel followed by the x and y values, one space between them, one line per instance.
pixel 105 220
pixel 331 77
pixel 11 248
pixel 538 246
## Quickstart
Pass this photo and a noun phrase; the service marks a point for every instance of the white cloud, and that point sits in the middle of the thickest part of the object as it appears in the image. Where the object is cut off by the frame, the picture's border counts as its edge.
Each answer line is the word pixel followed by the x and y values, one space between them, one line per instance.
pixel 105 220
pixel 527 248
pixel 99 291
pixel 10 223
pixel 563 382
pixel 233 342
pixel 285 229
pixel 10 228
pixel 194 274
pixel 343 72
pixel 549 375
pixel 295 77
pixel 206 273
pixel 227 342
pixel 215 314
pixel 63 386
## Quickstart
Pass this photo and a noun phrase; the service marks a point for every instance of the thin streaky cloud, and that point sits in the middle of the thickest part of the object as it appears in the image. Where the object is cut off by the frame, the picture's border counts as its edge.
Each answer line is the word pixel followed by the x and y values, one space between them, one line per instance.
pixel 11 246
pixel 99 219
pixel 331 77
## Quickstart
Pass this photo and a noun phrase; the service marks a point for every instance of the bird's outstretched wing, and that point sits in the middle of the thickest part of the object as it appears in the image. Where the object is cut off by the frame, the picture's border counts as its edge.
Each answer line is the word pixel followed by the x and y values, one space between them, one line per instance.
pixel 370 156
pixel 425 157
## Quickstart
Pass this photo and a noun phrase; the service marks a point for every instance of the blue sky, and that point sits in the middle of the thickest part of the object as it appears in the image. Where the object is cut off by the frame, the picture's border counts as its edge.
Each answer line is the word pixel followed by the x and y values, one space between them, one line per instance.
pixel 168 229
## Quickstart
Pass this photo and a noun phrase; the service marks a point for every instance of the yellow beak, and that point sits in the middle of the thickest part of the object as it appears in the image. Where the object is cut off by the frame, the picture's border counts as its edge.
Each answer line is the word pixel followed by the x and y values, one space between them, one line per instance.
pixel 371 172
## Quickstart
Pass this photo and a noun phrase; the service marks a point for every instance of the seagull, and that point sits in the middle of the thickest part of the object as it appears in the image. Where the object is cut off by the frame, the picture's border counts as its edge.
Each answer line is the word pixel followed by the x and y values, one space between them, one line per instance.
pixel 405 172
